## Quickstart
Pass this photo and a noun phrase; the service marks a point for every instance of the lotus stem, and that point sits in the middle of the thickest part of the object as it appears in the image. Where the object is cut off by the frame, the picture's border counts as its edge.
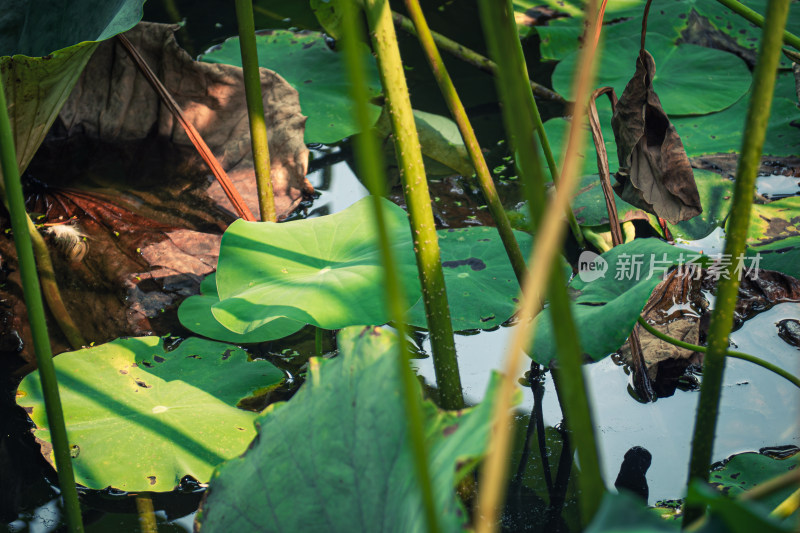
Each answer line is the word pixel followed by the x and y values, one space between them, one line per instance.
pixel 722 316
pixel 371 166
pixel 318 341
pixel 255 109
pixel 470 56
pixel 728 353
pixel 33 301
pixel 502 40
pixel 470 140
pixel 147 515
pixel 750 15
pixel 415 189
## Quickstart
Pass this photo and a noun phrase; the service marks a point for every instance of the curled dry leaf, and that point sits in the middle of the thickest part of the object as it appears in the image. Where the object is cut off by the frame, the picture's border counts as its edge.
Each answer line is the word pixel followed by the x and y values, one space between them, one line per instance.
pixel 679 308
pixel 114 102
pixel 654 171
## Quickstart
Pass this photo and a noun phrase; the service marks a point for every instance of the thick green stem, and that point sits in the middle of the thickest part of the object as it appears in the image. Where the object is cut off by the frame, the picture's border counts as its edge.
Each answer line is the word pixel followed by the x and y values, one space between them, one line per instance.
pixel 255 108
pixel 370 163
pixel 470 56
pixel 501 37
pixel 728 353
pixel 33 302
pixel 470 140
pixel 415 189
pixel 722 317
pixel 747 13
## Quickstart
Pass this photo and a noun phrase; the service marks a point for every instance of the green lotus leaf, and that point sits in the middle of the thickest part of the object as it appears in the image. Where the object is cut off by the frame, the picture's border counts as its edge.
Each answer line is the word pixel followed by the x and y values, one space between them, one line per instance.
pixel 782 255
pixel 716 196
pixel 680 71
pixel 701 135
pixel 727 514
pixel 722 132
pixel 322 271
pixel 195 315
pixel 775 221
pixel 318 73
pixel 140 417
pixel 482 289
pixel 747 470
pixel 339 451
pixel 589 204
pixel 605 309
pixel 560 36
pixel 44 46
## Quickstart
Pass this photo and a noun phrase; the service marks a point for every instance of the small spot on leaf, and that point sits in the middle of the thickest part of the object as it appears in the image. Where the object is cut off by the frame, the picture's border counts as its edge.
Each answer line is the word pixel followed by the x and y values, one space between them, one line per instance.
pixel 152 479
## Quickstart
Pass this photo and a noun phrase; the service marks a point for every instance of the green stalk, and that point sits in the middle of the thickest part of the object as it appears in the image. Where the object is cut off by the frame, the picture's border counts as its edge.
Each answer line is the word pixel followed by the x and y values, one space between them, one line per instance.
pixel 498 27
pixel 728 353
pixel 33 302
pixel 370 163
pixel 470 56
pixel 470 140
pixel 722 317
pixel 318 341
pixel 750 15
pixel 255 108
pixel 415 189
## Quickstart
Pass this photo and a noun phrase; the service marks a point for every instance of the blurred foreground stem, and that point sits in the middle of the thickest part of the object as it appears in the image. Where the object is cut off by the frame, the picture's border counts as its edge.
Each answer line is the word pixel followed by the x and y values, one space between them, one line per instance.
pixel 503 43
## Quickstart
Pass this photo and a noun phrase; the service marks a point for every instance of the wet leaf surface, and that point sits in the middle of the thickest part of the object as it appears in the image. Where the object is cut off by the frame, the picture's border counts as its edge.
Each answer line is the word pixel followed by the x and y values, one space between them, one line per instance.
pixel 654 171
pixel 339 451
pixel 143 416
pixel 747 470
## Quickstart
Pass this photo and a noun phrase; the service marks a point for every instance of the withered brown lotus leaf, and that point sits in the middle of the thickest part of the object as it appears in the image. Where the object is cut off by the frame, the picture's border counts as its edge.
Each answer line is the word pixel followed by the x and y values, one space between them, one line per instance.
pixel 654 171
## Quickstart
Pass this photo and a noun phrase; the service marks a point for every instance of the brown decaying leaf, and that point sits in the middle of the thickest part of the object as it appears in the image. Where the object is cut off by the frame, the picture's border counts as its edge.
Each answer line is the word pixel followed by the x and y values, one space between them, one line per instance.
pixel 654 171
pixel 113 101
pixel 679 308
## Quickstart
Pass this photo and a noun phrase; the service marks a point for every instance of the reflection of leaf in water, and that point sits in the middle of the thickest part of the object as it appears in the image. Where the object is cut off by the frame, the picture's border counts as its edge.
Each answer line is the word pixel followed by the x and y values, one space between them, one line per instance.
pixel 655 173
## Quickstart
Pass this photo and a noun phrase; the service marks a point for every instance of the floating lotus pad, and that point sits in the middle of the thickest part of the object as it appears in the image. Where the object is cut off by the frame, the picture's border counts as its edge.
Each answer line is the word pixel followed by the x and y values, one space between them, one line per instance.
pixel 775 221
pixel 339 450
pixel 195 315
pixel 685 74
pixel 605 309
pixel 747 470
pixel 322 271
pixel 140 417
pixel 671 18
pixel 782 255
pixel 318 73
pixel 482 289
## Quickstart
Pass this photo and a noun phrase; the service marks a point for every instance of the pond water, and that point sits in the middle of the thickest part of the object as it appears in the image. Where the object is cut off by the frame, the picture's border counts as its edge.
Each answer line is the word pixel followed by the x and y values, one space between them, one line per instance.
pixel 758 409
